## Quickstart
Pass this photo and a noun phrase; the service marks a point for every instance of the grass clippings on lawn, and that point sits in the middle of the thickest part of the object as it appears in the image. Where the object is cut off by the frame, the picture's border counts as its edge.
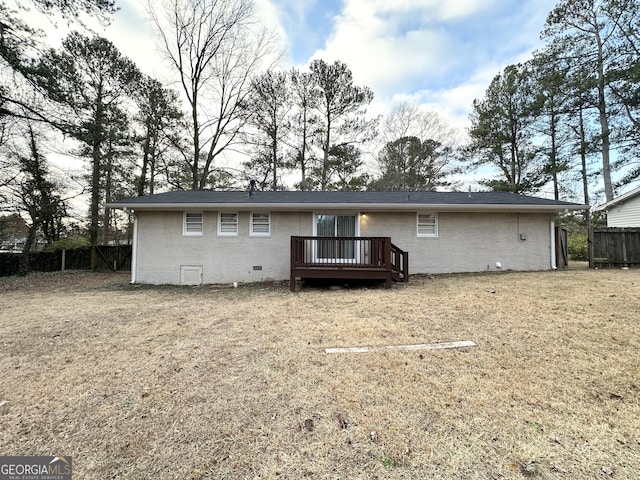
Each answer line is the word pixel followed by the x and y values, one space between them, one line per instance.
pixel 143 382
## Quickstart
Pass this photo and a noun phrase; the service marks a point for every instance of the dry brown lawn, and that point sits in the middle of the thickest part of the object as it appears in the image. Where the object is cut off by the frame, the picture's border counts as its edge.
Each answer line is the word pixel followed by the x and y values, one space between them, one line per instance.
pixel 140 382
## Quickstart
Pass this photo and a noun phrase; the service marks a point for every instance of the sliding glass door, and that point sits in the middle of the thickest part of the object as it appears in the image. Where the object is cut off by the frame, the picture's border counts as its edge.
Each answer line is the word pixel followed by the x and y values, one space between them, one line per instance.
pixel 337 226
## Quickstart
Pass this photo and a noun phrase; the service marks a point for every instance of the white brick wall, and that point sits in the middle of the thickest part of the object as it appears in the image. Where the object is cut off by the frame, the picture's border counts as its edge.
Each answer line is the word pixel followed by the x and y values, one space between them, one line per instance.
pixel 162 248
pixel 466 242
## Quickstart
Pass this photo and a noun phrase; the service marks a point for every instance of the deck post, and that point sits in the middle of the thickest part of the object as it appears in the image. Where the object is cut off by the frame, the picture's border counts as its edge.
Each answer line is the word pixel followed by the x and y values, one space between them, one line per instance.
pixel 292 282
pixel 405 264
pixel 387 252
pixel 292 263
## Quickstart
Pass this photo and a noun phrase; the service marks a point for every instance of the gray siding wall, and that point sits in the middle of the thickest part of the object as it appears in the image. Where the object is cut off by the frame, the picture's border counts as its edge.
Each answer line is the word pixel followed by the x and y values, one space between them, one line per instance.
pixel 626 214
pixel 467 242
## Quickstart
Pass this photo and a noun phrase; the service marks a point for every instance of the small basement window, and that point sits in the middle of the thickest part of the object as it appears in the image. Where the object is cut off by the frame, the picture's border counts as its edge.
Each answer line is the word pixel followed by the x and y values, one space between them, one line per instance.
pixel 260 224
pixel 427 225
pixel 228 224
pixel 192 223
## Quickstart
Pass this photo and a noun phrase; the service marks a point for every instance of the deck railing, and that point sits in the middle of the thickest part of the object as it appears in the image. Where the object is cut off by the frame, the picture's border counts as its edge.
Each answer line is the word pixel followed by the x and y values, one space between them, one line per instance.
pixel 400 262
pixel 348 254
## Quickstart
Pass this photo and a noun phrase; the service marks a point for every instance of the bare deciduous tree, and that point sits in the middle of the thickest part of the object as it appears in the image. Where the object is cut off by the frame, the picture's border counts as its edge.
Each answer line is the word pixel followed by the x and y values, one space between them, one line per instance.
pixel 215 47
pixel 410 119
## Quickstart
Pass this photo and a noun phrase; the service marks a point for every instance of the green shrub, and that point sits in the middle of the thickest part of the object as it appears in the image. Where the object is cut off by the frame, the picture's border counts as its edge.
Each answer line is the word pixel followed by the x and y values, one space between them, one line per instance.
pixel 578 247
pixel 68 243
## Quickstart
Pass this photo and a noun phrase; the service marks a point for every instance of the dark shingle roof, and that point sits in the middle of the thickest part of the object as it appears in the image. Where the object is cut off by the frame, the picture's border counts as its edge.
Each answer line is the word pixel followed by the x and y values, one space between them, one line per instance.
pixel 301 200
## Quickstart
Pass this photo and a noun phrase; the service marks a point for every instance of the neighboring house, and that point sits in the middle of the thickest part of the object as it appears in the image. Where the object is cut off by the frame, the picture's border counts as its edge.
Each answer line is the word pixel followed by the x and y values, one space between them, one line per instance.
pixel 623 211
pixel 224 237
pixel 13 233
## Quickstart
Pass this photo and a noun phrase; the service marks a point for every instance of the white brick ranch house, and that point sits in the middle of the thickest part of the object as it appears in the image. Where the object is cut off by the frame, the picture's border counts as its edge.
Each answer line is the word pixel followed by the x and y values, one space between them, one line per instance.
pixel 194 237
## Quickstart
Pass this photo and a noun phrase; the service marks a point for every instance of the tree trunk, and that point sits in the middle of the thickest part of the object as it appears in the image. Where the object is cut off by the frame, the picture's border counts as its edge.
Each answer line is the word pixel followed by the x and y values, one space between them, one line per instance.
pixel 152 176
pixel 325 158
pixel 303 153
pixel 108 185
pixel 196 142
pixel 604 122
pixel 274 153
pixel 95 195
pixel 145 161
pixel 96 163
pixel 554 155
pixel 583 158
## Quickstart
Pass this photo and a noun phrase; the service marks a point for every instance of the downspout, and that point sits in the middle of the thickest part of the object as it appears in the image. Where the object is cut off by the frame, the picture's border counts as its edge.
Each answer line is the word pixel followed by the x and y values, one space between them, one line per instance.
pixel 134 245
pixel 554 266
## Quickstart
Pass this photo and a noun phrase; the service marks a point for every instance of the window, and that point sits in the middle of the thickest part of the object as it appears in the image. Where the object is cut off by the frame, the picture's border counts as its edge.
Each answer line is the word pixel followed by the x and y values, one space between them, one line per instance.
pixel 228 224
pixel 260 224
pixel 427 225
pixel 192 224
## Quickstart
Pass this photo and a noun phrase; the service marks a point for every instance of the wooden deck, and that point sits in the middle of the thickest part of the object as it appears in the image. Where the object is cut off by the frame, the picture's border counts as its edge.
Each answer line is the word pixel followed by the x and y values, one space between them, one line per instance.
pixel 355 258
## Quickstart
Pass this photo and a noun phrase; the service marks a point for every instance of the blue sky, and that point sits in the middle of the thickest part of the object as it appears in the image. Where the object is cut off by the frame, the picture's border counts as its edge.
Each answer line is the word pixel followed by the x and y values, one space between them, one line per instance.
pixel 307 24
pixel 440 53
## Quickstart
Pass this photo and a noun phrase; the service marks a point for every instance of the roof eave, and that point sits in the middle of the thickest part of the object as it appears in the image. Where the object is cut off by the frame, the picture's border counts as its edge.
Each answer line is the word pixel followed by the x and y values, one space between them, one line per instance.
pixel 379 207
pixel 616 201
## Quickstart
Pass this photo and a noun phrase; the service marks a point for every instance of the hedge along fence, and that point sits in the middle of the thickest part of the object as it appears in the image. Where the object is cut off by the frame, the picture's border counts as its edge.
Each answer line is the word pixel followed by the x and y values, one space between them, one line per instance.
pixel 105 258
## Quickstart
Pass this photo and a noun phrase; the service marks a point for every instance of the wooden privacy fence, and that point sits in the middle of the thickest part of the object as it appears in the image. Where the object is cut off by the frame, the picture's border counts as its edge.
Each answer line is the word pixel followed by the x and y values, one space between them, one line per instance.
pixel 562 248
pixel 615 247
pixel 105 257
pixel 110 257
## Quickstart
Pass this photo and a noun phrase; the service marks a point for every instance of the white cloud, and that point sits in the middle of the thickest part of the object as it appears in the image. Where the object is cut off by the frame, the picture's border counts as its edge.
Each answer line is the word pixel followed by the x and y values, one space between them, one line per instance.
pixel 390 46
pixel 431 10
pixel 394 46
pixel 455 9
pixel 440 52
pixel 456 102
pixel 383 61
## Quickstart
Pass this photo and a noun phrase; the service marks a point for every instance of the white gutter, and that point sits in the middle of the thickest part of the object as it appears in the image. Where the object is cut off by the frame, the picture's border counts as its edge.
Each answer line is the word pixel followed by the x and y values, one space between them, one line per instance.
pixel 134 246
pixel 554 266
